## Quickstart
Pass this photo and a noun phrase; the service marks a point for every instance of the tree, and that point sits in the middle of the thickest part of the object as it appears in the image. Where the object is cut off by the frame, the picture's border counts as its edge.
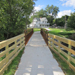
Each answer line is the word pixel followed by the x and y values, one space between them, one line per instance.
pixel 14 16
pixel 50 19
pixel 71 21
pixel 60 21
pixel 47 13
pixel 41 13
pixel 52 10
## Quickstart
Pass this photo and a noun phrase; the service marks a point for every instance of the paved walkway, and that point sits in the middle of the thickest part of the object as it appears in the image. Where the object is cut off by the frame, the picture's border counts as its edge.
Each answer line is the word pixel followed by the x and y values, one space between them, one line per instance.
pixel 38 59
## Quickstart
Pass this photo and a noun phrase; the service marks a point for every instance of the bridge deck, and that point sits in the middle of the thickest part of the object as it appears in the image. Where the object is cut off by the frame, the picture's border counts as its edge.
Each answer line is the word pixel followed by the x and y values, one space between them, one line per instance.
pixel 38 59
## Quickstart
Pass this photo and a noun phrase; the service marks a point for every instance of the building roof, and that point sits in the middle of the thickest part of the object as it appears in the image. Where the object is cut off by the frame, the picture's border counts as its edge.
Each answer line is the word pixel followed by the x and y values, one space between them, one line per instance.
pixel 40 19
pixel 43 19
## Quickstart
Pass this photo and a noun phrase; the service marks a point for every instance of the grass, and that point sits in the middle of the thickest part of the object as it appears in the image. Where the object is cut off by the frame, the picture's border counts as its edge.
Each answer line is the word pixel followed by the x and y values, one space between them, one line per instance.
pixel 36 29
pixel 61 32
pixel 63 65
pixel 13 66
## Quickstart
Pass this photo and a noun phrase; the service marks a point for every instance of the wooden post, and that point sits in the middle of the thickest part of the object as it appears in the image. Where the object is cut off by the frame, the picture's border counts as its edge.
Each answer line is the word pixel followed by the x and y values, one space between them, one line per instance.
pixel 69 54
pixel 52 42
pixel 47 37
pixel 25 36
pixel 48 40
pixel 7 54
pixel 59 46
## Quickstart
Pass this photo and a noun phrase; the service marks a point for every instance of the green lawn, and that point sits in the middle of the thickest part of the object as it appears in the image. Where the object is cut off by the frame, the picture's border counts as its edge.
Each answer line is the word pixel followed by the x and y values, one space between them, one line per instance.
pixel 36 29
pixel 61 32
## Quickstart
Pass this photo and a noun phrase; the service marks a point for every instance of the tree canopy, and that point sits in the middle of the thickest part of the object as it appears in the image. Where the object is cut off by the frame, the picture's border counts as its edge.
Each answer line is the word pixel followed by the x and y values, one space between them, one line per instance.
pixel 71 21
pixel 14 16
pixel 52 10
pixel 50 13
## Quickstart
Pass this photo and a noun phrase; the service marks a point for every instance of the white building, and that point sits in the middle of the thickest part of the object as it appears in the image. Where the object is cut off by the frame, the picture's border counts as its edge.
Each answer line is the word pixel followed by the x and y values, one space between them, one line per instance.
pixel 39 23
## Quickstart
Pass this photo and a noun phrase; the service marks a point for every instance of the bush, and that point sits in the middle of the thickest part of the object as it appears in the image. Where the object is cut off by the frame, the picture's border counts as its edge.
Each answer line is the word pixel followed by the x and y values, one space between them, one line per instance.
pixel 71 21
pixel 72 36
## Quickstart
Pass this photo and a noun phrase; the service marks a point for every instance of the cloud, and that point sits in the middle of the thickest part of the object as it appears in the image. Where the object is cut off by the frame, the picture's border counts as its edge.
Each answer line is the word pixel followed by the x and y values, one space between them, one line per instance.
pixel 68 2
pixel 65 12
pixel 36 9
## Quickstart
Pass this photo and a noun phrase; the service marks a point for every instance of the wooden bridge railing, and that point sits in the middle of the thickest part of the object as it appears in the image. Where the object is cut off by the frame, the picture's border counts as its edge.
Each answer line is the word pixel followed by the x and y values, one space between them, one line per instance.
pixel 10 48
pixel 44 33
pixel 63 47
pixel 28 34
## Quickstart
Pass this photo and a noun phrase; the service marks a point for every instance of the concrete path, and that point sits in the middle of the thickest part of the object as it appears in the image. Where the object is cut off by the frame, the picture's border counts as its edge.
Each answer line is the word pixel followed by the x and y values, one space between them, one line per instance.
pixel 48 29
pixel 38 59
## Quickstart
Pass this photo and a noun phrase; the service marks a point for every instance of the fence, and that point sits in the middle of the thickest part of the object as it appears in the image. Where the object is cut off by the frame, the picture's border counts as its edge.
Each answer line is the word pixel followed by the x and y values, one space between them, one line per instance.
pixel 11 49
pixel 64 47
pixel 44 33
pixel 28 34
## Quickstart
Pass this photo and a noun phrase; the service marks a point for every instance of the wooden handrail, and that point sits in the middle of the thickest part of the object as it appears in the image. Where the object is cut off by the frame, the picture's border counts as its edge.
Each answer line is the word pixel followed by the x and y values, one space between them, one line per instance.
pixel 63 47
pixel 12 47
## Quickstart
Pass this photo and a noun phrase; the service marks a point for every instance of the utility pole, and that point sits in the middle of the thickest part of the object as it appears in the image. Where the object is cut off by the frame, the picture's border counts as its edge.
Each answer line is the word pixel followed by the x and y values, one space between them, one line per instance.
pixel 65 23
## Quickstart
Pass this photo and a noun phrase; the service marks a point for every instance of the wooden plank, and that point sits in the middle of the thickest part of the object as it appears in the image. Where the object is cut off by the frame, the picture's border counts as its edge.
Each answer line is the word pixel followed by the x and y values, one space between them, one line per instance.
pixel 72 59
pixel 3 64
pixel 69 54
pixel 5 42
pixel 65 40
pixel 59 55
pixel 59 50
pixel 11 59
pixel 7 54
pixel 7 50
pixel 72 67
pixel 73 43
pixel 66 48
pixel 59 38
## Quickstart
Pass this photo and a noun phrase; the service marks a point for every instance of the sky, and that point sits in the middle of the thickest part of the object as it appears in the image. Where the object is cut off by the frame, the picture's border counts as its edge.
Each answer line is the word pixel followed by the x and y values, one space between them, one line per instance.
pixel 65 6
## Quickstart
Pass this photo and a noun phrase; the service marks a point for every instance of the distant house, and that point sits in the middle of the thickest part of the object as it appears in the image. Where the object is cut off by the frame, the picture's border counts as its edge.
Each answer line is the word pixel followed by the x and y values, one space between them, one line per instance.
pixel 39 23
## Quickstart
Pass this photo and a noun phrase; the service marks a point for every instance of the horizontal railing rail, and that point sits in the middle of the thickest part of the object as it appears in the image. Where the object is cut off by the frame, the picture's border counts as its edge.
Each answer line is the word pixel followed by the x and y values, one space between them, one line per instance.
pixel 12 47
pixel 44 33
pixel 64 47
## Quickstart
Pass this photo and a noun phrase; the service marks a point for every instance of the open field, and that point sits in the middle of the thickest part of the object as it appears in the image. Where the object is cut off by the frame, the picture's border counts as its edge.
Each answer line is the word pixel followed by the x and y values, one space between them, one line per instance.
pixel 61 32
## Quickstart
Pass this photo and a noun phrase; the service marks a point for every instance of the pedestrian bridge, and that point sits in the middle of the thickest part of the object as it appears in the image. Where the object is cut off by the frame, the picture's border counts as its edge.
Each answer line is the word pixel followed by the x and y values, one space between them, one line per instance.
pixel 38 59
